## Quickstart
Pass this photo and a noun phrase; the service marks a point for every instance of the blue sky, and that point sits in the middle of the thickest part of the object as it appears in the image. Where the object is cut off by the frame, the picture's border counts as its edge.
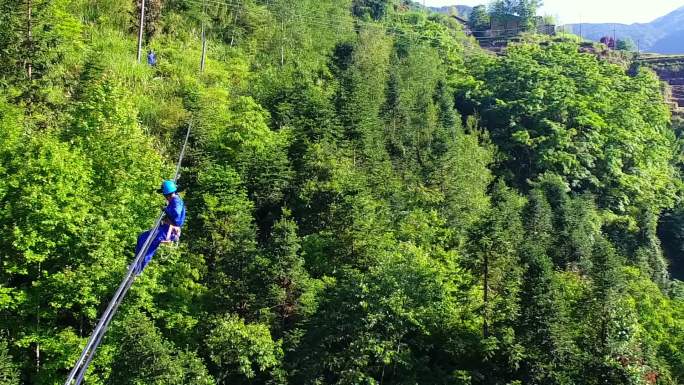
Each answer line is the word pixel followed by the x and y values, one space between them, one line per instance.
pixel 593 11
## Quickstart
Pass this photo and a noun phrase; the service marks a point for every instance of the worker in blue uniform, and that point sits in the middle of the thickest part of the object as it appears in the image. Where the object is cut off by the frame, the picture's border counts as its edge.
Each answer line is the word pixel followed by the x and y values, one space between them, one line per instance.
pixel 170 229
pixel 152 59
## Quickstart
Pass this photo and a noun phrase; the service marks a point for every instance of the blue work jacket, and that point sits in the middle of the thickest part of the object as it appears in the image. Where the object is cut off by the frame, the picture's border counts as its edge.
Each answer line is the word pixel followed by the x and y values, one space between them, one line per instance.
pixel 175 211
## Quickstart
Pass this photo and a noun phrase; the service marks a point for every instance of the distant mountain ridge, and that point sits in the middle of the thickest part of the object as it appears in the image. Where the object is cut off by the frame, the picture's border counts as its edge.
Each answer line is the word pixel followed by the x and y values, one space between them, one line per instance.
pixel 664 35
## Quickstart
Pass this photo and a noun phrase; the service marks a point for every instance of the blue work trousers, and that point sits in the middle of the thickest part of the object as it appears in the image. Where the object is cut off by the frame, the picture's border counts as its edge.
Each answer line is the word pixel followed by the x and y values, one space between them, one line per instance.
pixel 159 237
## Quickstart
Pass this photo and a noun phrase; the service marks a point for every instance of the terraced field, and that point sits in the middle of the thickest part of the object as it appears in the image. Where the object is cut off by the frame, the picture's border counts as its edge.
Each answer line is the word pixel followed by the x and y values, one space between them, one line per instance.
pixel 671 70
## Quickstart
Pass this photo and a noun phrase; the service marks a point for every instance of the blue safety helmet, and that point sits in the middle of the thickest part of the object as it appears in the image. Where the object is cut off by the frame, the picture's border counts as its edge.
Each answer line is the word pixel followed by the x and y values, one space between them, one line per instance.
pixel 168 187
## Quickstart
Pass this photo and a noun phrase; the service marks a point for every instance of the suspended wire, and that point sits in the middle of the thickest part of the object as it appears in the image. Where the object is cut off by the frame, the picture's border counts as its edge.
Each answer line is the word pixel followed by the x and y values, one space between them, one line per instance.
pixel 354 25
pixel 176 175
pixel 657 58
pixel 79 370
pixel 88 352
pixel 110 315
pixel 357 26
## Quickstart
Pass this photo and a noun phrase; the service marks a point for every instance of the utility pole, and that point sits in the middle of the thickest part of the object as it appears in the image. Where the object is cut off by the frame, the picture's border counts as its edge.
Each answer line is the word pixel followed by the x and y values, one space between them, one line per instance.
pixel 485 289
pixel 142 27
pixel 38 324
pixel 204 37
pixel 614 39
pixel 232 35
pixel 29 35
pixel 282 43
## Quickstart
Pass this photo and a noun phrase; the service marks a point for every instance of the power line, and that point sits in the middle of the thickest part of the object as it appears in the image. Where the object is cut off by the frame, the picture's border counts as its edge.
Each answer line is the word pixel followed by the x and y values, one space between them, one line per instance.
pixel 79 370
pixel 357 26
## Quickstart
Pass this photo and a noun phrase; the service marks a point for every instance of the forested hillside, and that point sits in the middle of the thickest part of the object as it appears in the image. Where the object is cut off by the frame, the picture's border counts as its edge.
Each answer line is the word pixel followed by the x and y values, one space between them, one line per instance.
pixel 371 199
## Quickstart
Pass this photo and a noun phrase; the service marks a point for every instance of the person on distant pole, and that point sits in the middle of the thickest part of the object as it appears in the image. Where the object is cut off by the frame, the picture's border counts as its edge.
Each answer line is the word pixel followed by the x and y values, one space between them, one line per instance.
pixel 151 58
pixel 170 229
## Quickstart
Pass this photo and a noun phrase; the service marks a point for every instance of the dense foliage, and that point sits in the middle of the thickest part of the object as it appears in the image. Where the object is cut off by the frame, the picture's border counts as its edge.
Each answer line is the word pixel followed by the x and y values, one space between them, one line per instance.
pixel 524 11
pixel 372 199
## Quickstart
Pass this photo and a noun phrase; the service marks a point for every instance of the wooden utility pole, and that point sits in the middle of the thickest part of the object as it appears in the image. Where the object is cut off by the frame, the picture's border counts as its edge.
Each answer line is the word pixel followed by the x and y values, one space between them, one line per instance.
pixel 235 17
pixel 485 289
pixel 142 28
pixel 29 38
pixel 204 37
pixel 282 43
pixel 38 323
